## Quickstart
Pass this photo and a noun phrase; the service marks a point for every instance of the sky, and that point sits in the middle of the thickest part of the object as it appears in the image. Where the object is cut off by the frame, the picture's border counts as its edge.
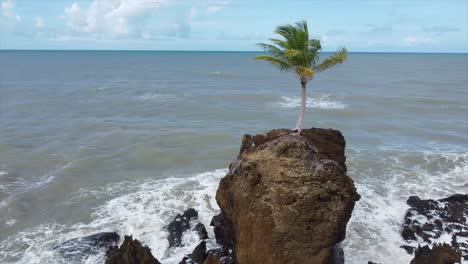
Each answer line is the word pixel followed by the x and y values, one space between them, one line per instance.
pixel 237 25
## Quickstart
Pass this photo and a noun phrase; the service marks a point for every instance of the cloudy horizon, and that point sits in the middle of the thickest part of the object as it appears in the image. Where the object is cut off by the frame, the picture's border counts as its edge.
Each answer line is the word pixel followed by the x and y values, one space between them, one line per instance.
pixel 361 26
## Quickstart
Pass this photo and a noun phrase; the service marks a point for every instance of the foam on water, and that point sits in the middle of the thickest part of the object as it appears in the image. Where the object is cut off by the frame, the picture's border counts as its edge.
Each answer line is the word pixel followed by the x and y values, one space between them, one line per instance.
pixel 18 184
pixel 3 173
pixel 144 208
pixel 385 183
pixel 155 97
pixel 142 213
pixel 322 101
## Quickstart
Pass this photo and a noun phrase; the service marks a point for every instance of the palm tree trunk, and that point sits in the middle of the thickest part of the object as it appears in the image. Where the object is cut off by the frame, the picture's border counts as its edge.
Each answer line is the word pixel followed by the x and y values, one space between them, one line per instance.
pixel 300 120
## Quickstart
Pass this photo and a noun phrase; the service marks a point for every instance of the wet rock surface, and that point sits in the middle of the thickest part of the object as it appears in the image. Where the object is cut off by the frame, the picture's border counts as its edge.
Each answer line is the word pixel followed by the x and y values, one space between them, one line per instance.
pixel 288 197
pixel 439 254
pixel 429 221
pixel 179 225
pixel 197 256
pixel 130 252
pixel 83 247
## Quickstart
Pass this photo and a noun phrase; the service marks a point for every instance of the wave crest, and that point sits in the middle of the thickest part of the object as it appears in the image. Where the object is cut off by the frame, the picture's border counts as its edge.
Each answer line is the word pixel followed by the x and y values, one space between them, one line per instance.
pixel 322 102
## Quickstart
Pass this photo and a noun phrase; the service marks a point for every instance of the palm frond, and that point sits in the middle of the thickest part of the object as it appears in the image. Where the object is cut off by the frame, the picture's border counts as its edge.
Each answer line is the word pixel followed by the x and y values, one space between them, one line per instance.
pixel 294 50
pixel 337 58
pixel 282 65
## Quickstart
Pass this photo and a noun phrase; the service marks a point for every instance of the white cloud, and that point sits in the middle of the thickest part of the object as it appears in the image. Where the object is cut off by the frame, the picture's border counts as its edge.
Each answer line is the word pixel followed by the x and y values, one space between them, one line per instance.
pixel 40 22
pixel 111 17
pixel 412 41
pixel 216 7
pixel 8 7
pixel 9 20
pixel 193 12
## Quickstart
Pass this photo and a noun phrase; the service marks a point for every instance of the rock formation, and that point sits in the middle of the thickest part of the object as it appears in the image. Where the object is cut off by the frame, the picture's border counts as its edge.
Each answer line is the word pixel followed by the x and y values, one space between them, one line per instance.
pixel 130 252
pixel 439 254
pixel 288 197
pixel 82 247
pixel 179 225
pixel 428 220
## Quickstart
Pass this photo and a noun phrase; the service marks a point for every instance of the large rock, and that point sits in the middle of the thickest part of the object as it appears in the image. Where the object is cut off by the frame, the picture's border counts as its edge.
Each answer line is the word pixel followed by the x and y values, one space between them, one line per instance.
pixel 82 247
pixel 428 220
pixel 131 252
pixel 439 254
pixel 288 197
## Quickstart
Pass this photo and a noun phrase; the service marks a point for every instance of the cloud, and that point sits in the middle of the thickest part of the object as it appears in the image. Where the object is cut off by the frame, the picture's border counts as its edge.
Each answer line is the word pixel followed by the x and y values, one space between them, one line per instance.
pixel 114 18
pixel 9 20
pixel 372 29
pixel 39 23
pixel 412 41
pixel 216 6
pixel 440 29
pixel 8 7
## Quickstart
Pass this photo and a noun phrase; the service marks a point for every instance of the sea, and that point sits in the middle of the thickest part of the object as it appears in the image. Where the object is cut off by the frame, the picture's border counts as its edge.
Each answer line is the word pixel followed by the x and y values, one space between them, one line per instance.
pixel 94 141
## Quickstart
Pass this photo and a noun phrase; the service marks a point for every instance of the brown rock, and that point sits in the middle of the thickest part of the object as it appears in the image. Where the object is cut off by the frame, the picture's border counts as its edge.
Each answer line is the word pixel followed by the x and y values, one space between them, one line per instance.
pixel 130 252
pixel 288 197
pixel 439 254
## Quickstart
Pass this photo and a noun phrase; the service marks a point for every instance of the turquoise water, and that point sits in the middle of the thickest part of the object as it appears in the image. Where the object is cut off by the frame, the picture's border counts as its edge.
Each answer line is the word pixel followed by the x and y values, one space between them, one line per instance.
pixel 122 141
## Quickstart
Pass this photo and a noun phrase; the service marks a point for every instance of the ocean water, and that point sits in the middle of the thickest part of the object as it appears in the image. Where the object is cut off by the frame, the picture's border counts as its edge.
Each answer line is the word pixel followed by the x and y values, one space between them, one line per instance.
pixel 123 141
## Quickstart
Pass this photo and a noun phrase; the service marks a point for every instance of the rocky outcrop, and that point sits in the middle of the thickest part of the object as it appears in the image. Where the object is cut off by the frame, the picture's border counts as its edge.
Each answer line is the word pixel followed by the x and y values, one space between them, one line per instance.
pixel 130 252
pixel 288 197
pixel 82 247
pixel 198 255
pixel 181 224
pixel 439 254
pixel 428 220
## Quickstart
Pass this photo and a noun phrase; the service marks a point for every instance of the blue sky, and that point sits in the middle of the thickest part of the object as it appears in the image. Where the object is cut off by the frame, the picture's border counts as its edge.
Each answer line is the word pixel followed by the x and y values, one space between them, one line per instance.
pixel 372 25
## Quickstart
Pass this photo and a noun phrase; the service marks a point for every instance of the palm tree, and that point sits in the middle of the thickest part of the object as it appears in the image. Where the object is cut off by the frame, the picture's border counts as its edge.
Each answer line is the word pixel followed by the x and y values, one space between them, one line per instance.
pixel 299 53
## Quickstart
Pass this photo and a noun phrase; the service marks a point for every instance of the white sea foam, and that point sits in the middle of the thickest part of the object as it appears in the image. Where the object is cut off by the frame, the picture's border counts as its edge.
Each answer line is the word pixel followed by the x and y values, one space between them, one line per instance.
pixel 3 173
pixel 155 97
pixel 10 222
pixel 322 101
pixel 373 232
pixel 385 182
pixel 142 213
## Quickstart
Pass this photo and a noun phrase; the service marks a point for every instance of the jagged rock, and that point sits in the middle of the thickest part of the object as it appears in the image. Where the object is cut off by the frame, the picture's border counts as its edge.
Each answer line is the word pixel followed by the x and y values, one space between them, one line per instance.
pixel 198 255
pixel 201 231
pixel 130 252
pixel 288 197
pixel 408 249
pixel 439 254
pixel 83 247
pixel 179 225
pixel 427 220
pixel 224 235
pixel 212 259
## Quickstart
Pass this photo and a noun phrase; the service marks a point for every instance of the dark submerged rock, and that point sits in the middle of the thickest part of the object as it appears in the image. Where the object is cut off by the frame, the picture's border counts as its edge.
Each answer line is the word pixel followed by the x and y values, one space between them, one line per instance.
pixel 439 254
pixel 130 252
pixel 198 255
pixel 212 259
pixel 179 225
pixel 287 199
pixel 201 231
pixel 446 216
pixel 408 249
pixel 337 256
pixel 224 235
pixel 83 247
